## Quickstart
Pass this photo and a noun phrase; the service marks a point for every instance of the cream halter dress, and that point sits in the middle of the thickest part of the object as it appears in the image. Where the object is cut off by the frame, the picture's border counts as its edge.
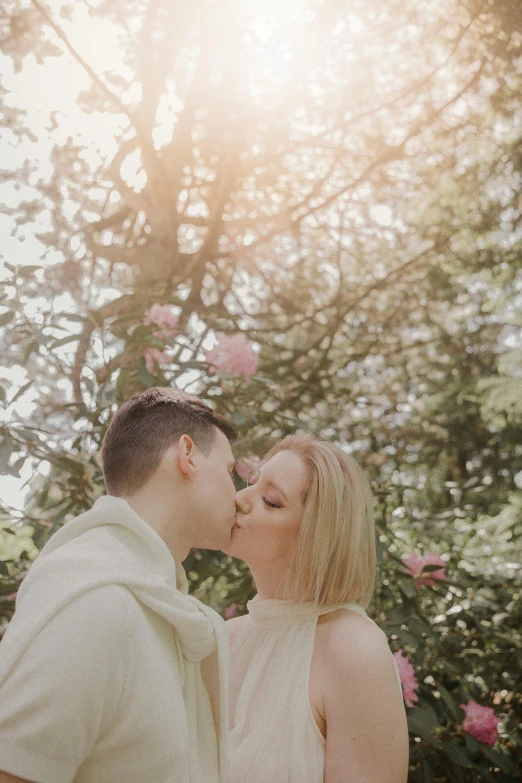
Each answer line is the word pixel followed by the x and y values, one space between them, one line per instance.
pixel 274 737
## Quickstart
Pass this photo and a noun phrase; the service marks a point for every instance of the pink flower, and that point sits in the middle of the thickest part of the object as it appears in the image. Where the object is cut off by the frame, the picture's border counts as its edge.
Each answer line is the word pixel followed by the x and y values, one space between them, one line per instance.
pixel 246 468
pixel 415 563
pixel 162 316
pixel 407 675
pixel 154 354
pixel 480 722
pixel 233 354
pixel 230 611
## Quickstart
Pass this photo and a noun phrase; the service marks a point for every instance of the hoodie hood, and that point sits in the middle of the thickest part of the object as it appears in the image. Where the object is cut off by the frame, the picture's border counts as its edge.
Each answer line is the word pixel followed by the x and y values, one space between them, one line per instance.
pixel 111 544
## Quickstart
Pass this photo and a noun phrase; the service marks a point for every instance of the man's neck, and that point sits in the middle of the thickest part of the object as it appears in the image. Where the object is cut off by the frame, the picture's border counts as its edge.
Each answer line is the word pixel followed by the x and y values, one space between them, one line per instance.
pixel 159 517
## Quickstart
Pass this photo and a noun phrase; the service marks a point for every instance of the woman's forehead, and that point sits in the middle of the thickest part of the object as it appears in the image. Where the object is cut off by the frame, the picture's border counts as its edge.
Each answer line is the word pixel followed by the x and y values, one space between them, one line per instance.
pixel 287 468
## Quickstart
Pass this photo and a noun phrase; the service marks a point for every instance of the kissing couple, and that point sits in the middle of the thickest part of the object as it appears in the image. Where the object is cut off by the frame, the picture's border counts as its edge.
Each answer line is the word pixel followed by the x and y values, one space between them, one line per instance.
pixel 110 672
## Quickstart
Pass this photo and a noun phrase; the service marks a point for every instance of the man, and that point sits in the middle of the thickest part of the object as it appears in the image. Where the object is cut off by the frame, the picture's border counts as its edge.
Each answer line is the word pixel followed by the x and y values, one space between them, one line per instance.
pixel 109 671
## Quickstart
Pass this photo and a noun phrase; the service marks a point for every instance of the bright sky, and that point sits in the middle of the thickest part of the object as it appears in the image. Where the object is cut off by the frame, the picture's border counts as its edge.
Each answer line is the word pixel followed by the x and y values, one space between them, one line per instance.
pixel 48 94
pixel 40 90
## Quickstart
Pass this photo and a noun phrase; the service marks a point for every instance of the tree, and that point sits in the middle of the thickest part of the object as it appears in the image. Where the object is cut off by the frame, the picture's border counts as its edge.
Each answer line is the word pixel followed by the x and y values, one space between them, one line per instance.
pixel 339 183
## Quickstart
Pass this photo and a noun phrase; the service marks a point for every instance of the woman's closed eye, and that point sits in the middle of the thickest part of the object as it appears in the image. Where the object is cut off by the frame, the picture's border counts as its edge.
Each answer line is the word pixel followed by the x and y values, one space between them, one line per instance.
pixel 269 504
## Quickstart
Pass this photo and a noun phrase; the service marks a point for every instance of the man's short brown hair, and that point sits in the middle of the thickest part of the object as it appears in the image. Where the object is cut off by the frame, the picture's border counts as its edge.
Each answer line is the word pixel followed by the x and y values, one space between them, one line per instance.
pixel 144 428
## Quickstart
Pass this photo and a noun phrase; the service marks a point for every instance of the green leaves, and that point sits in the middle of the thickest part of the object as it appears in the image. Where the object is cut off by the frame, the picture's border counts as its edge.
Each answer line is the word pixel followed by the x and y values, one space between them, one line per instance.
pixel 16 542
pixel 121 384
pixel 500 760
pixel 238 419
pixel 6 449
pixel 21 391
pixel 425 773
pixel 457 755
pixel 449 702
pixel 14 469
pixel 422 722
pixel 146 377
pixel 69 338
pixel 406 638
pixel 27 434
pixel 6 317
pixel 367 337
pixel 28 270
pixel 408 588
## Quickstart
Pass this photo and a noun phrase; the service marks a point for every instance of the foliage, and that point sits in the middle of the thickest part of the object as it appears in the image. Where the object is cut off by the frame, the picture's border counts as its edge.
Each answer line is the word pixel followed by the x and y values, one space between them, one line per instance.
pixel 339 184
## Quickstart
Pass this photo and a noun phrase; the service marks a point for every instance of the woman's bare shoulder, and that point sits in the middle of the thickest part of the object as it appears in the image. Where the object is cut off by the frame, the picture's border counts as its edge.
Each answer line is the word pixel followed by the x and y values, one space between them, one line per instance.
pixel 352 642
pixel 358 670
pixel 346 628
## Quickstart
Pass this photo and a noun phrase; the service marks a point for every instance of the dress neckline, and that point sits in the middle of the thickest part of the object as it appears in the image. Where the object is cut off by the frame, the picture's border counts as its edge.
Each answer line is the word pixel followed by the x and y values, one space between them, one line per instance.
pixel 277 610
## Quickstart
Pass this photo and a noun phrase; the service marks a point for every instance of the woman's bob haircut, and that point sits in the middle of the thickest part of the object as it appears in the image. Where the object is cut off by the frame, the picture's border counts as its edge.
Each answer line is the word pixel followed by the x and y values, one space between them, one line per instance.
pixel 335 559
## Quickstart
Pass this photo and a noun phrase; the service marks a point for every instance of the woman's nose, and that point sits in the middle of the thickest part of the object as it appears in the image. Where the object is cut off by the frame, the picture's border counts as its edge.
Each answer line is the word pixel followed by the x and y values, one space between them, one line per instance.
pixel 242 501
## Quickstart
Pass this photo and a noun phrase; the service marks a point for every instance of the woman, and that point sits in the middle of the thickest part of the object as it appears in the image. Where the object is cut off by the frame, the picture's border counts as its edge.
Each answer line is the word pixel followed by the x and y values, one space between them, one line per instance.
pixel 315 693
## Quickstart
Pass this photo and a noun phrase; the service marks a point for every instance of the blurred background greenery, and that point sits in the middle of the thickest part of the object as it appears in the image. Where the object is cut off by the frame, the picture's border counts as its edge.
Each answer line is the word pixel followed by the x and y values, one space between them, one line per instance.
pixel 340 183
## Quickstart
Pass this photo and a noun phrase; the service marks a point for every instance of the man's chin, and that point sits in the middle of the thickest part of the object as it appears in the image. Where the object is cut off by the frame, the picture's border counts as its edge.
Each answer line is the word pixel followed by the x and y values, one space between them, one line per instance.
pixel 228 548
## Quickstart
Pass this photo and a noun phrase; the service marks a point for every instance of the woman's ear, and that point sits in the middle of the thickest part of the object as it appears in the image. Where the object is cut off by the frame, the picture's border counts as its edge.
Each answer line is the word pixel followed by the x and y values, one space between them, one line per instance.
pixel 186 456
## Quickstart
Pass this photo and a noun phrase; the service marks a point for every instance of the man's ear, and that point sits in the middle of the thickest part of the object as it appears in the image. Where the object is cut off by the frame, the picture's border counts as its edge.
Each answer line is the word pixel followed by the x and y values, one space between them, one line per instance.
pixel 186 456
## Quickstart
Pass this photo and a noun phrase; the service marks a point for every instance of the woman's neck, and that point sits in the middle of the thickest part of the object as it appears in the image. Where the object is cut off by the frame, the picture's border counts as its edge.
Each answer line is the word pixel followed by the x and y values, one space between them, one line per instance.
pixel 269 581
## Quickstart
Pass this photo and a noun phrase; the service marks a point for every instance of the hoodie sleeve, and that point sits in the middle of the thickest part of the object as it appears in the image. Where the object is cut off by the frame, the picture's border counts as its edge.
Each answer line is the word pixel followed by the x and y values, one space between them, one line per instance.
pixel 64 690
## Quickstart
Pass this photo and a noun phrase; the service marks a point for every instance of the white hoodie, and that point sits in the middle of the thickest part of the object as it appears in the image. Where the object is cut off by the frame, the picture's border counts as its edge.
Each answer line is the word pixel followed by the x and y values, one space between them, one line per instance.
pixel 92 564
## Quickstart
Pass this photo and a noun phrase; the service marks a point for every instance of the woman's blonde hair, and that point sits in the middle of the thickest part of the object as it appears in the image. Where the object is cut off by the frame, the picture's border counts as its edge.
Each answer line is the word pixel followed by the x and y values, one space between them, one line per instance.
pixel 335 559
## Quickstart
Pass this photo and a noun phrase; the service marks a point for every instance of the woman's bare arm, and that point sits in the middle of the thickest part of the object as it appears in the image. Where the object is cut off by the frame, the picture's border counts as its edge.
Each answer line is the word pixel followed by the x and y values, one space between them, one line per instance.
pixel 367 731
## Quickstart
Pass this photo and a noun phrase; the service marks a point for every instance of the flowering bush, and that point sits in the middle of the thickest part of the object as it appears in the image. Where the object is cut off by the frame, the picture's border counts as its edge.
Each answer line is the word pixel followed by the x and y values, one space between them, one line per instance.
pixel 379 278
pixel 163 317
pixel 416 565
pixel 441 632
pixel 481 722
pixel 247 468
pixel 233 354
pixel 167 322
pixel 232 610
pixel 152 355
pixel 407 675
pixel 17 551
